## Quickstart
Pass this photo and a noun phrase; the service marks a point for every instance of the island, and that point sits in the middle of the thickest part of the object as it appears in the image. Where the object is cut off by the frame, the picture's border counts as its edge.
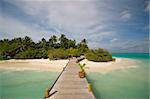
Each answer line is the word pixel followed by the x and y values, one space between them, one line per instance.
pixel 54 48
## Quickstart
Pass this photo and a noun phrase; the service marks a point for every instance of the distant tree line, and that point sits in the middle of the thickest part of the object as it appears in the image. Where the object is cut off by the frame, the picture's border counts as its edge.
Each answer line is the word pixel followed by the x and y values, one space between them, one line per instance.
pixel 54 48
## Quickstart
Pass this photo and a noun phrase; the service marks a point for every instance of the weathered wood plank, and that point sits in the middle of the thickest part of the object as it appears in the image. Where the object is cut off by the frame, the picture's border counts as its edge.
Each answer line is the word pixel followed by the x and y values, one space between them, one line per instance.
pixel 70 86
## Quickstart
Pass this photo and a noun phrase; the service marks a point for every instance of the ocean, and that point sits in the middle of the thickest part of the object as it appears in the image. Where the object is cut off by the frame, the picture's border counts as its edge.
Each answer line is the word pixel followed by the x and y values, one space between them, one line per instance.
pixel 129 83
pixel 25 84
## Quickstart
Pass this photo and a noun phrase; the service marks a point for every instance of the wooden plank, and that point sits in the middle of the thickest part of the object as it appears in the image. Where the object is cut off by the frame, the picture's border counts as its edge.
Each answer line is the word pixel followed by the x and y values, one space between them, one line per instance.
pixel 70 86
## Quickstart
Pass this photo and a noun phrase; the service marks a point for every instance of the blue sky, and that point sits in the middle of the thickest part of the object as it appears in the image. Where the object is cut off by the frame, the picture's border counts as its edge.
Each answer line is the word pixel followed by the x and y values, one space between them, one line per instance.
pixel 116 25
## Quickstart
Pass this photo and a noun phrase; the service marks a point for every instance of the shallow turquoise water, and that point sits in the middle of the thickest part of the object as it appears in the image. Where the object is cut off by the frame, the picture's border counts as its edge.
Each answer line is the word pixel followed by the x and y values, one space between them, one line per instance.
pixel 123 84
pixel 25 84
pixel 132 55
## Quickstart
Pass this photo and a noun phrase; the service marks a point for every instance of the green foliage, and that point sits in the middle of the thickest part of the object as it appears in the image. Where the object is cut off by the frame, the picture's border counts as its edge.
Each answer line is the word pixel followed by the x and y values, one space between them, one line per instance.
pixel 54 48
pixel 63 41
pixel 71 43
pixel 66 43
pixel 82 46
pixel 90 55
pixel 55 54
pixel 73 52
pixel 52 42
pixel 22 48
pixel 98 55
pixel 61 53
pixel 28 54
pixel 82 67
pixel 31 54
pixel 3 57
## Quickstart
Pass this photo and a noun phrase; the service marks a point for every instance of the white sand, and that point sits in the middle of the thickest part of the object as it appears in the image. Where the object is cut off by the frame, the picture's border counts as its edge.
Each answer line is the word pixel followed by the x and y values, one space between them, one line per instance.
pixel 34 64
pixel 104 67
pixel 57 65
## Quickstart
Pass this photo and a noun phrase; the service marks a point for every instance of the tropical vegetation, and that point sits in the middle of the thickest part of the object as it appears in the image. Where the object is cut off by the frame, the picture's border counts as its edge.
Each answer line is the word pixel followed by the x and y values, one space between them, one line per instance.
pixel 54 48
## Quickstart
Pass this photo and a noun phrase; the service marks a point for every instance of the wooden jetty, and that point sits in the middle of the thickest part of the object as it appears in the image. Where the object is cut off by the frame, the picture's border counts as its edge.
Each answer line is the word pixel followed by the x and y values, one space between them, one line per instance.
pixel 69 85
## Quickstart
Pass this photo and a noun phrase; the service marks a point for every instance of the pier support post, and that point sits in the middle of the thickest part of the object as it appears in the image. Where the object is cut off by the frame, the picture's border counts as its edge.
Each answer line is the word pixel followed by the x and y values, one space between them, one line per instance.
pixel 89 87
pixel 46 93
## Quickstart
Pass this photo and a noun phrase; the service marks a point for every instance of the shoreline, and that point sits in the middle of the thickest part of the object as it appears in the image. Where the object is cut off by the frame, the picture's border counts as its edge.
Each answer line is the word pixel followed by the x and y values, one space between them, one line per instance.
pixel 33 64
pixel 58 65
pixel 106 67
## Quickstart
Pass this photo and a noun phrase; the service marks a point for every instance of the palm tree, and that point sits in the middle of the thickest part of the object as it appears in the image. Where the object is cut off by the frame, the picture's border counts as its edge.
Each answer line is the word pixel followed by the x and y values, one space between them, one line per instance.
pixel 52 41
pixel 63 41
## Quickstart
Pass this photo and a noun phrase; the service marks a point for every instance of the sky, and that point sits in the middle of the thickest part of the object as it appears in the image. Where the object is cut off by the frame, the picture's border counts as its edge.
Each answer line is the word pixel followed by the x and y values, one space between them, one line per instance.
pixel 115 25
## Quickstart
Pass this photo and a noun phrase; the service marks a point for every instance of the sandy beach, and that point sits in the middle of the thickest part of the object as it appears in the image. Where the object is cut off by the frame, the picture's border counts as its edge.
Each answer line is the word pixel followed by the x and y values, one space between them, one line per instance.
pixel 105 67
pixel 57 65
pixel 34 64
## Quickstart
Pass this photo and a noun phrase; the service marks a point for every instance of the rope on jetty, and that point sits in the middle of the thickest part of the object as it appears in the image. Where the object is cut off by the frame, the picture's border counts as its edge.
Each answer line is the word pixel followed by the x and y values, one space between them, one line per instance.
pixel 48 91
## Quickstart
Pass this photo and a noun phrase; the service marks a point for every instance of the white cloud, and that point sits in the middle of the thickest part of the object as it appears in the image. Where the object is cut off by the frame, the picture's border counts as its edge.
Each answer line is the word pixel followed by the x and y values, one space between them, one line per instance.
pixel 101 36
pixel 147 6
pixel 78 19
pixel 98 40
pixel 11 27
pixel 125 15
pixel 114 40
pixel 74 16
pixel 130 46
